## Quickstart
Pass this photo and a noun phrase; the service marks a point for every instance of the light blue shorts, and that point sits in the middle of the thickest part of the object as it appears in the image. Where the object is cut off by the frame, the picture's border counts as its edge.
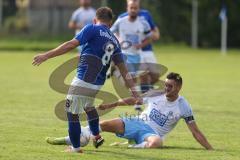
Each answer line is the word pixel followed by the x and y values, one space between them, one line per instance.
pixel 133 63
pixel 137 130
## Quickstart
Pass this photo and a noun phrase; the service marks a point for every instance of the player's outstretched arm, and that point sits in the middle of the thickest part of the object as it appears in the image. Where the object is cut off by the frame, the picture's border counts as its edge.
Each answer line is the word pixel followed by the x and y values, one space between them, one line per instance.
pixel 60 50
pixel 122 102
pixel 198 135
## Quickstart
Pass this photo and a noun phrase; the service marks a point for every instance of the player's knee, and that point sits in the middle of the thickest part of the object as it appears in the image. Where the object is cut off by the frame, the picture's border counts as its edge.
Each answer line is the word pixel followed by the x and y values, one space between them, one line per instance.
pixel 155 142
pixel 154 145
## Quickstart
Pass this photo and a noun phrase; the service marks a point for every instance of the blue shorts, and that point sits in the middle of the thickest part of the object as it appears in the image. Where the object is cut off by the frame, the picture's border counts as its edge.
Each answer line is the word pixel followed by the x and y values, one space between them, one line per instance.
pixel 137 130
pixel 133 63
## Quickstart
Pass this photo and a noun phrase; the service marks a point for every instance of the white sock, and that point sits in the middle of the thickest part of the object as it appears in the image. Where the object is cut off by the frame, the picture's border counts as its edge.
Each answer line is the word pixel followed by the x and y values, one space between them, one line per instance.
pixel 141 145
pixel 68 141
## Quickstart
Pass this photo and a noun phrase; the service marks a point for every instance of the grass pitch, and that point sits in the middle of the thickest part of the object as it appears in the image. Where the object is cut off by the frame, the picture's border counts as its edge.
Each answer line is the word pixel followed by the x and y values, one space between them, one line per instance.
pixel 211 85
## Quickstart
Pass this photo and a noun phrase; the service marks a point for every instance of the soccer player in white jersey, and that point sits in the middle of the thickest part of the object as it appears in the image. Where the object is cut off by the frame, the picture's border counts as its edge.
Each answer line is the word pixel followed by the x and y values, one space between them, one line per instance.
pixel 133 33
pixel 163 111
pixel 81 17
pixel 148 59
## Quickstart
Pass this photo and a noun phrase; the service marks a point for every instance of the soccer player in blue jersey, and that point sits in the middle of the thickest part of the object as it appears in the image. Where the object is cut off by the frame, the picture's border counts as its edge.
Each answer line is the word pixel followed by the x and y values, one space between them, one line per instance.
pixel 148 58
pixel 100 46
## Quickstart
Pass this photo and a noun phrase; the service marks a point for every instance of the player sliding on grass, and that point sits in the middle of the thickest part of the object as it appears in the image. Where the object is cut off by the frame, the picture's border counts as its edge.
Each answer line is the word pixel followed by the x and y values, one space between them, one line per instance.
pixel 163 111
pixel 100 46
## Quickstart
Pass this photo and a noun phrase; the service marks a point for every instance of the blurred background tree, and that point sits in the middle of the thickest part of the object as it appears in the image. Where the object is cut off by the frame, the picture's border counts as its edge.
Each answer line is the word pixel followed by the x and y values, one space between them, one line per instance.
pixel 173 18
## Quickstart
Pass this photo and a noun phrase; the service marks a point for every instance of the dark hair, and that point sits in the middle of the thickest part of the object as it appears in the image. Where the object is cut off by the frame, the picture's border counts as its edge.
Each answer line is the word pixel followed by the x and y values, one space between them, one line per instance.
pixel 176 77
pixel 104 14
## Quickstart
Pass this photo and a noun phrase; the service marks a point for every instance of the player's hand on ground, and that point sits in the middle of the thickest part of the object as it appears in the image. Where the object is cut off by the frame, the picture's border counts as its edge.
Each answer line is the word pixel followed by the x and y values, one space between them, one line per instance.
pixel 38 59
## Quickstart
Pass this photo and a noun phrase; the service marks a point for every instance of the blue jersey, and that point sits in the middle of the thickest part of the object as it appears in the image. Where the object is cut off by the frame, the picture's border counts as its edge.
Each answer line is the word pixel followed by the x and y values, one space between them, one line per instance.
pixel 99 47
pixel 148 18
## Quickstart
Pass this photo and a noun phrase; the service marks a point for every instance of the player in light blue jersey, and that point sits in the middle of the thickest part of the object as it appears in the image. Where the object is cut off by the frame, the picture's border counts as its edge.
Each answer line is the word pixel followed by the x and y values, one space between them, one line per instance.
pixel 164 109
pixel 100 47
pixel 134 33
pixel 148 58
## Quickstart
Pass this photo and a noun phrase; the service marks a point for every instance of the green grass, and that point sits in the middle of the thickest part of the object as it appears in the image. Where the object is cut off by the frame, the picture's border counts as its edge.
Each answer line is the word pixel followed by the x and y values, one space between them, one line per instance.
pixel 211 85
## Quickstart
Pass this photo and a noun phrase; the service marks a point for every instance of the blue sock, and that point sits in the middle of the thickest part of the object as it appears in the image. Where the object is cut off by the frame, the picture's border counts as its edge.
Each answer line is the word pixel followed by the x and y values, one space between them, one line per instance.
pixel 74 129
pixel 93 121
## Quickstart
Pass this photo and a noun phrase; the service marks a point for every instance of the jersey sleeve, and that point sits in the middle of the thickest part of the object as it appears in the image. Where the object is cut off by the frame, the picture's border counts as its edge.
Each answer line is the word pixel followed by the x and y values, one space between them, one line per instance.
pixel 115 26
pixel 146 27
pixel 150 20
pixel 186 111
pixel 86 34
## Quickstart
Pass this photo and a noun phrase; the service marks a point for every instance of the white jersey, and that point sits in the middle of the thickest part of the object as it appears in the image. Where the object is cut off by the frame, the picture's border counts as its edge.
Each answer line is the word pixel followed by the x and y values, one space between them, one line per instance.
pixel 162 115
pixel 83 16
pixel 131 33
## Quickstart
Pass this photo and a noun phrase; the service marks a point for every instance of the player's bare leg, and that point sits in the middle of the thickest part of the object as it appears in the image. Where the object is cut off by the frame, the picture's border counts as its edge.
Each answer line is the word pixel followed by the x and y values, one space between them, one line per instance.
pixel 113 126
pixel 150 142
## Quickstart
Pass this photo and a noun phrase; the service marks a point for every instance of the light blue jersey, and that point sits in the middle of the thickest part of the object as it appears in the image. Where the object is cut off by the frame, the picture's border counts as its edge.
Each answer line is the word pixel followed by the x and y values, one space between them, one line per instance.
pixel 162 115
pixel 158 119
pixel 147 16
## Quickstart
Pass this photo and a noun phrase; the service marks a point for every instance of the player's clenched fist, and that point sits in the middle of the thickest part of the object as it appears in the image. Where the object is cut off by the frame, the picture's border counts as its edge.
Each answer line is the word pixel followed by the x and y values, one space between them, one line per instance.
pixel 38 59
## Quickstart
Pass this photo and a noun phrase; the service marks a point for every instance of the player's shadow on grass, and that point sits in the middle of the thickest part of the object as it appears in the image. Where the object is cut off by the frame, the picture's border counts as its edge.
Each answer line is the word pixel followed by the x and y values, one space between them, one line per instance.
pixel 117 154
pixel 180 148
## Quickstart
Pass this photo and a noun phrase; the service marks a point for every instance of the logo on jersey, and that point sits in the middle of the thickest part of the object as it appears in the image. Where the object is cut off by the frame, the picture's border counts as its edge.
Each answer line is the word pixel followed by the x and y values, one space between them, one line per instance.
pixel 159 118
pixel 110 37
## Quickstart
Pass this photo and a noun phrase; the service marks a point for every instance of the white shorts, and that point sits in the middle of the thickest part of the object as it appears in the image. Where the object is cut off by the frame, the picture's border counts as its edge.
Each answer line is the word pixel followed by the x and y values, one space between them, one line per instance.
pixel 148 57
pixel 81 95
pixel 148 62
